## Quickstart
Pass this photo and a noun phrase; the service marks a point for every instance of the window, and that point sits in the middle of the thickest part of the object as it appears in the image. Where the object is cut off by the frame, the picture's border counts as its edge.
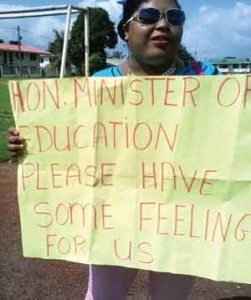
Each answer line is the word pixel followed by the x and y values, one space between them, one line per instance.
pixel 33 56
pixel 5 60
pixel 21 55
pixel 11 57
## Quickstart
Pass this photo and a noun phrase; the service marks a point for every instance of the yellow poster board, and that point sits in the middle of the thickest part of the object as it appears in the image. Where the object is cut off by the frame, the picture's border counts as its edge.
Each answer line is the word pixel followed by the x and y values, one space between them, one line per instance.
pixel 145 172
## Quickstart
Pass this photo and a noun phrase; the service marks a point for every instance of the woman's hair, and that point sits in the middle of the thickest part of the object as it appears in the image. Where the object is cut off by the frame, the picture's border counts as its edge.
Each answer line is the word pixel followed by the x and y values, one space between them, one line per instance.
pixel 129 7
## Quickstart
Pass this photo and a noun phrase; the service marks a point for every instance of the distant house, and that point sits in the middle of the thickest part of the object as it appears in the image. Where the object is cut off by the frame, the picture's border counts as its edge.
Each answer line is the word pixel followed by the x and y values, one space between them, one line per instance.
pixel 26 59
pixel 232 65
pixel 45 60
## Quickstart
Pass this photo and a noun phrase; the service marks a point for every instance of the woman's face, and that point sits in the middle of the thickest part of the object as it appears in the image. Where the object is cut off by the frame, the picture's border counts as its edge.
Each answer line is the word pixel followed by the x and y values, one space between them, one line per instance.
pixel 154 45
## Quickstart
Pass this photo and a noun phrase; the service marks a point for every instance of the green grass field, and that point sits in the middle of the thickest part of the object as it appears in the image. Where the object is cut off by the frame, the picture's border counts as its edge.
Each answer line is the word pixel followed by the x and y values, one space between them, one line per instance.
pixel 6 119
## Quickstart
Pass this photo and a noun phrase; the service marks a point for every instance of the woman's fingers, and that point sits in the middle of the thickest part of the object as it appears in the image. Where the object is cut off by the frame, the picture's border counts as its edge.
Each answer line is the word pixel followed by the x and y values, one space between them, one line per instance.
pixel 15 148
pixel 13 139
pixel 15 144
pixel 13 131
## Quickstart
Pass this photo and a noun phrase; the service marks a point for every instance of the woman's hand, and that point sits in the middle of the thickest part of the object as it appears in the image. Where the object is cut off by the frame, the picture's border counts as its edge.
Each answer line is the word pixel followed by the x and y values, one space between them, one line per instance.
pixel 15 144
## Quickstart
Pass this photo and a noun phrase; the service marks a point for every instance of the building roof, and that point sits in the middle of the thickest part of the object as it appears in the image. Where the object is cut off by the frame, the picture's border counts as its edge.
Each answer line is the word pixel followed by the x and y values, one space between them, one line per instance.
pixel 230 60
pixel 23 48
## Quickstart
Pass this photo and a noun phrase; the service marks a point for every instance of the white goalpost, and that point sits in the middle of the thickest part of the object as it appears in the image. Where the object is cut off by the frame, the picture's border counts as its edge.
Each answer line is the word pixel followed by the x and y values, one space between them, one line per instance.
pixel 46 11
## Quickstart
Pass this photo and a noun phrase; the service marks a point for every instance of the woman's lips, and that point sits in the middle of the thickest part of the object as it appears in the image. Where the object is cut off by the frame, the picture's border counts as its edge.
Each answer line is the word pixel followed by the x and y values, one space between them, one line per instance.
pixel 160 41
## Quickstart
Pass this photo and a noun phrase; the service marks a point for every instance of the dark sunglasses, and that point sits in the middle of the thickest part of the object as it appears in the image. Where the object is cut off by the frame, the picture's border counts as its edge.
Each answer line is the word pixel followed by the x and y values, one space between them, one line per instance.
pixel 150 16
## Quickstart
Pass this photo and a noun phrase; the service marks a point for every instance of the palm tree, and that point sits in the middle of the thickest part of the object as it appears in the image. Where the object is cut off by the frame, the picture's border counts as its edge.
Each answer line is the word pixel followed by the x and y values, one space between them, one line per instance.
pixel 56 47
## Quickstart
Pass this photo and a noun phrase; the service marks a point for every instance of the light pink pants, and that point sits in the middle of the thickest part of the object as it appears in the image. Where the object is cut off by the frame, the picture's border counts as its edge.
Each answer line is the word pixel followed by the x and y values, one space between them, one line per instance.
pixel 113 283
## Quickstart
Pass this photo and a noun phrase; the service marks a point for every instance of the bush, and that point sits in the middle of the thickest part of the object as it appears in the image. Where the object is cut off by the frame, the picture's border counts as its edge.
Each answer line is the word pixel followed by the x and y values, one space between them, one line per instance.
pixel 97 61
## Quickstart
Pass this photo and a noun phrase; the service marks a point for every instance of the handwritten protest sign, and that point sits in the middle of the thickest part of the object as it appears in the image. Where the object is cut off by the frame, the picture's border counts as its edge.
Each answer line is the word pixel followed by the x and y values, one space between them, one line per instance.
pixel 145 172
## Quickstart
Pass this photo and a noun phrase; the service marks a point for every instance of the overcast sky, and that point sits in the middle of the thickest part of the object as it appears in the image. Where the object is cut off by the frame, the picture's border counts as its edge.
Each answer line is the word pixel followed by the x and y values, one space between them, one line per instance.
pixel 214 28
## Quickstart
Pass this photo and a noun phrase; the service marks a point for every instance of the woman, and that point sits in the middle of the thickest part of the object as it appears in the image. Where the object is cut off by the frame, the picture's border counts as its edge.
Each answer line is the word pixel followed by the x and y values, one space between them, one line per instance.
pixel 153 31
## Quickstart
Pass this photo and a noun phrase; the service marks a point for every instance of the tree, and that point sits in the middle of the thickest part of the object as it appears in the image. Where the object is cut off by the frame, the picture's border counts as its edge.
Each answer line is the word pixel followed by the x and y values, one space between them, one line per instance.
pixel 101 35
pixel 14 42
pixel 1 41
pixel 97 61
pixel 56 47
pixel 185 55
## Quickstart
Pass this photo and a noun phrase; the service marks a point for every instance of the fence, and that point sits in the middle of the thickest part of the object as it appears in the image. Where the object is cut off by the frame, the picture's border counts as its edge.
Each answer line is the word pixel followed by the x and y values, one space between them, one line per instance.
pixel 32 72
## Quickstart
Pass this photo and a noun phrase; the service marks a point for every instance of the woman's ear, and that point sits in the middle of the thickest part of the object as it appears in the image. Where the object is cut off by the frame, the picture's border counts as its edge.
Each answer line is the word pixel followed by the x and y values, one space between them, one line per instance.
pixel 126 33
pixel 126 37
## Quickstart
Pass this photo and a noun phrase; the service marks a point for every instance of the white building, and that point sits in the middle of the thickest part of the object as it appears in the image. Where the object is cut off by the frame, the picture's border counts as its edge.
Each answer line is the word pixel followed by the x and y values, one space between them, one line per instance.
pixel 15 59
pixel 232 65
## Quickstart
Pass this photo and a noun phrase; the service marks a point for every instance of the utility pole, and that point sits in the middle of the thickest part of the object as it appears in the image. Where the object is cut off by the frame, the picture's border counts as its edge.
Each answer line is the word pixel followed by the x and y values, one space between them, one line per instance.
pixel 19 38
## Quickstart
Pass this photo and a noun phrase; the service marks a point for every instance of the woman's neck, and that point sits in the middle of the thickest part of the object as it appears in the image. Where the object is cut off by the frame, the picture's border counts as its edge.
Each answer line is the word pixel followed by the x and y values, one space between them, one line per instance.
pixel 132 67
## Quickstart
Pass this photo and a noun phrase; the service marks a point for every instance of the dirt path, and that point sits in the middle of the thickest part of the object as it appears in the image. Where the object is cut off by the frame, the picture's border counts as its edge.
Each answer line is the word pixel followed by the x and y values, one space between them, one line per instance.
pixel 35 279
